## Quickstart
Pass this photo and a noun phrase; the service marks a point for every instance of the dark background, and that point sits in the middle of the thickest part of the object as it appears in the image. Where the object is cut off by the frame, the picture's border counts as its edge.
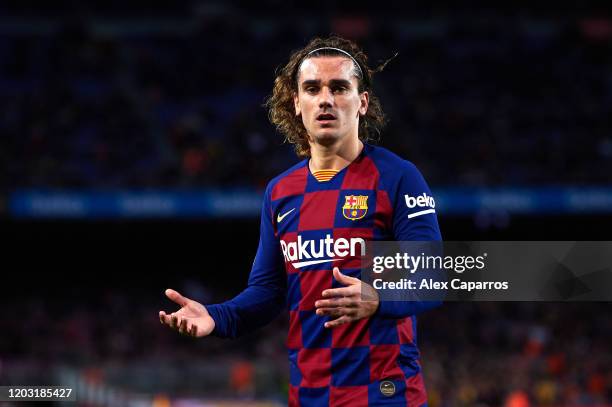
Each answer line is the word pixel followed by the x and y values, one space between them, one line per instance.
pixel 157 96
pixel 148 255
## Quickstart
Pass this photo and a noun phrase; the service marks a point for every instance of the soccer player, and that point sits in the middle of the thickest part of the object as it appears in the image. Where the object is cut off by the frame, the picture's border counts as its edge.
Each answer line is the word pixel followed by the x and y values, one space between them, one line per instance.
pixel 346 347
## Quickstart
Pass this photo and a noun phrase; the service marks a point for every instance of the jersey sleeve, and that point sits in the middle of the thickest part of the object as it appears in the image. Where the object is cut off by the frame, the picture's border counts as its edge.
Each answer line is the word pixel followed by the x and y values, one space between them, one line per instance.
pixel 414 219
pixel 414 208
pixel 264 297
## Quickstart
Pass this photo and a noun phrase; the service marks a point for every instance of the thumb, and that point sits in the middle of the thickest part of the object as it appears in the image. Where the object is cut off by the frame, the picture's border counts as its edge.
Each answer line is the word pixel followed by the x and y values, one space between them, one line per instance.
pixel 176 297
pixel 342 278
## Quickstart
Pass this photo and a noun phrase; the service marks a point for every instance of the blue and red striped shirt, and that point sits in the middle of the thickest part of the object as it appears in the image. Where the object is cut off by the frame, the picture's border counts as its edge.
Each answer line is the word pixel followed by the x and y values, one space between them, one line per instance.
pixel 307 228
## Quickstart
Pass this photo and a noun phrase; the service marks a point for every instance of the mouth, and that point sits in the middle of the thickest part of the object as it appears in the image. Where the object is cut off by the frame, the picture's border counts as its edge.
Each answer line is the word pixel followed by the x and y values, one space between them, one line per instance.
pixel 326 118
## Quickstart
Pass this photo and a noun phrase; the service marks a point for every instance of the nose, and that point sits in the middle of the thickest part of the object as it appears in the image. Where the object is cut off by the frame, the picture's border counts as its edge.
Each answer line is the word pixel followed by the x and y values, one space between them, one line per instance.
pixel 326 98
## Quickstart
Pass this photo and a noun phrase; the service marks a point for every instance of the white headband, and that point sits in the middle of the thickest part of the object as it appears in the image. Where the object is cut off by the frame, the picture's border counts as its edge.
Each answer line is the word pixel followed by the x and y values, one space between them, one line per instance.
pixel 333 49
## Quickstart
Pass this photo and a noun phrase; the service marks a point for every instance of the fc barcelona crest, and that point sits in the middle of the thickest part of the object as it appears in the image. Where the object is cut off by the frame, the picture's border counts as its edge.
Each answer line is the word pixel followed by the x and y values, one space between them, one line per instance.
pixel 355 207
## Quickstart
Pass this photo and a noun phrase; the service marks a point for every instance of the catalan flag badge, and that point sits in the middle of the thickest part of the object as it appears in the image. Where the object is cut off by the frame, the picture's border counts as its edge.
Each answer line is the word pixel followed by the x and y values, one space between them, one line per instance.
pixel 355 207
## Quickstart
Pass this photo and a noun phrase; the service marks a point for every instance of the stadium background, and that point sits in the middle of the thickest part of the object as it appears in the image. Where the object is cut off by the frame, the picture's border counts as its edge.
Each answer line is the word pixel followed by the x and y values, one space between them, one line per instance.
pixel 134 149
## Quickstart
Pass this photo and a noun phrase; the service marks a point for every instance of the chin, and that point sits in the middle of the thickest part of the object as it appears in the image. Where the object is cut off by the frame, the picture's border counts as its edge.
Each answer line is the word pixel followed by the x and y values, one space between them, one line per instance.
pixel 326 138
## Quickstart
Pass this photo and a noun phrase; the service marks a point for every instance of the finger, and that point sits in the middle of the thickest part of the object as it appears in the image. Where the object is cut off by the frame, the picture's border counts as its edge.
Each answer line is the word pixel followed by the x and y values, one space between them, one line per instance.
pixel 193 331
pixel 343 278
pixel 176 297
pixel 183 326
pixel 174 321
pixel 333 312
pixel 163 317
pixel 338 292
pixel 337 322
pixel 336 302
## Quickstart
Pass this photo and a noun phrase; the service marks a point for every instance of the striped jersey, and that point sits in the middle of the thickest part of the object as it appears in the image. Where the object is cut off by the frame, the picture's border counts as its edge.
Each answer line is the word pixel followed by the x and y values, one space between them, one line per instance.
pixel 307 228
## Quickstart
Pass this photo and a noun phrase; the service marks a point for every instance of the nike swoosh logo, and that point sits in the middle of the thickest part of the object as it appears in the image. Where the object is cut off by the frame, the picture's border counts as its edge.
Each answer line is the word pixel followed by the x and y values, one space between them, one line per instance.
pixel 279 217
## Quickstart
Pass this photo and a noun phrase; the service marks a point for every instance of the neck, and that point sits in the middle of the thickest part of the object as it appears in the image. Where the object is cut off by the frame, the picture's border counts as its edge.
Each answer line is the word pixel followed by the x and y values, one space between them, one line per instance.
pixel 334 157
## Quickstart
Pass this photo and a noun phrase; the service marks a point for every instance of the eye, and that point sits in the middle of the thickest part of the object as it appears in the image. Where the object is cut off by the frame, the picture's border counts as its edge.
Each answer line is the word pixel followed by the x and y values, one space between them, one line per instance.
pixel 339 89
pixel 311 89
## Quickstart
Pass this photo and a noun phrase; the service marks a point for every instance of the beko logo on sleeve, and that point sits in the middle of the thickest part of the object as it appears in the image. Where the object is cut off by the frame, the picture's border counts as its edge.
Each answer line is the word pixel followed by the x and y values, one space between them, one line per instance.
pixel 421 201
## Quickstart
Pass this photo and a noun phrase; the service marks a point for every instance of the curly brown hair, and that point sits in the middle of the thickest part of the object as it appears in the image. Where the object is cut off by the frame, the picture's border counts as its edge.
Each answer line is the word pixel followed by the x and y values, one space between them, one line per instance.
pixel 281 110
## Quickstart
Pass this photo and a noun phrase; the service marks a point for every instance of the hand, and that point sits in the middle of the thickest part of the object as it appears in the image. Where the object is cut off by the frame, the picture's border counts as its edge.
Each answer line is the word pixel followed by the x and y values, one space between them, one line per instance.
pixel 355 301
pixel 192 319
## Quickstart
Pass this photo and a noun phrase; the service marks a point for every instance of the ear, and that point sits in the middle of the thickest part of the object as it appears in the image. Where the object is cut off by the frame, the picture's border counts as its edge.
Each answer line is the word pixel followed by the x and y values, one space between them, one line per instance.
pixel 296 104
pixel 364 99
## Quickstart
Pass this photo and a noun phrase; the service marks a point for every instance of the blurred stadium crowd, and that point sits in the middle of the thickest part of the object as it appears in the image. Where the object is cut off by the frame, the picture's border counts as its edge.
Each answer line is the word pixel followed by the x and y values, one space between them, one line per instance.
pixel 162 101
pixel 473 354
pixel 124 103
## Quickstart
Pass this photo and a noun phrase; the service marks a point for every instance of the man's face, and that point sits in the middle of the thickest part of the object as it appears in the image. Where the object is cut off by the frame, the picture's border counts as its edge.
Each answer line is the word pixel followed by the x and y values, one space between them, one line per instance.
pixel 328 99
